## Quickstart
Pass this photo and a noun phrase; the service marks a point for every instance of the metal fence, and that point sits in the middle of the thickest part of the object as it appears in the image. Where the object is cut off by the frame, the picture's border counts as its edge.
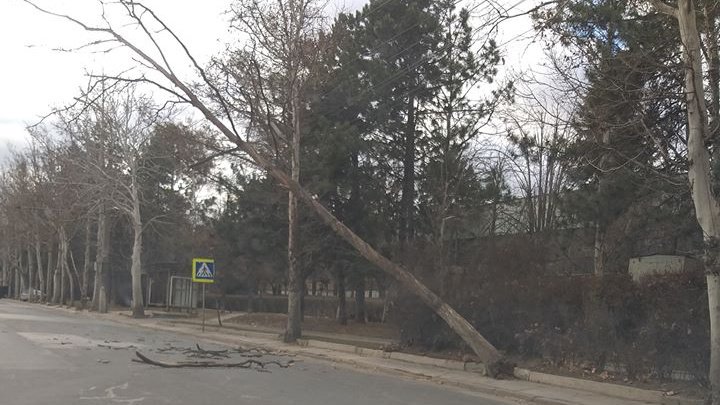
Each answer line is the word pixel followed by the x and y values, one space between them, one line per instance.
pixel 182 293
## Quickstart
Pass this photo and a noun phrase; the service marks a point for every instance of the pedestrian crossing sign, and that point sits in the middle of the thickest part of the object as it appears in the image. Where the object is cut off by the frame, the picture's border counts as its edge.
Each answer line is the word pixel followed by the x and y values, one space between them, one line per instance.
pixel 203 270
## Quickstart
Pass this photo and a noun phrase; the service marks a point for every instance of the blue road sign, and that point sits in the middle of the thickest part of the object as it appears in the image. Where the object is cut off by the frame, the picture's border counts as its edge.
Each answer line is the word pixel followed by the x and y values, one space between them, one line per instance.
pixel 203 270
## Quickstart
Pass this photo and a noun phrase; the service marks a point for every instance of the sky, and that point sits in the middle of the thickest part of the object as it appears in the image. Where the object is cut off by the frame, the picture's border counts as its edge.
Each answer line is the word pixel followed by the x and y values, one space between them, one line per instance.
pixel 35 76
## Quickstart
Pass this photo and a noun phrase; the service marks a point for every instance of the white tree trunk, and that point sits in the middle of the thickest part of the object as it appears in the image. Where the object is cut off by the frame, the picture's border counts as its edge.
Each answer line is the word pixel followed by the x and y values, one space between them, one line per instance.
pixel 57 279
pixel 101 254
pixel 31 272
pixel 707 210
pixel 4 279
pixel 138 310
pixel 295 290
pixel 40 270
pixel 65 270
pixel 18 274
pixel 50 284
pixel 86 262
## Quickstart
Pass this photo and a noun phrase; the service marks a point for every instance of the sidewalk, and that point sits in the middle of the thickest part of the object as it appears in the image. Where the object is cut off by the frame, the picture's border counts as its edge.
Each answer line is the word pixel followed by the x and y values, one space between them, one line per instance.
pixel 530 387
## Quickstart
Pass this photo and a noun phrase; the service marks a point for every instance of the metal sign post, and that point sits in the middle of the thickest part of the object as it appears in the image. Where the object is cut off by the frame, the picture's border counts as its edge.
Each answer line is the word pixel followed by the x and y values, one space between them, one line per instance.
pixel 203 271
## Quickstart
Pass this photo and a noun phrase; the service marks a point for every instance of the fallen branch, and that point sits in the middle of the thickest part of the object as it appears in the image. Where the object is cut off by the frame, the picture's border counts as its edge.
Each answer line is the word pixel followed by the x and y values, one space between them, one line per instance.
pixel 249 363
pixel 212 352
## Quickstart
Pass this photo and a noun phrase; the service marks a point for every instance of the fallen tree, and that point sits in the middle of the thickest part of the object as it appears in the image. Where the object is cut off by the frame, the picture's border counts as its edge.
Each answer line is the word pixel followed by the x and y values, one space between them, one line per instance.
pixel 151 26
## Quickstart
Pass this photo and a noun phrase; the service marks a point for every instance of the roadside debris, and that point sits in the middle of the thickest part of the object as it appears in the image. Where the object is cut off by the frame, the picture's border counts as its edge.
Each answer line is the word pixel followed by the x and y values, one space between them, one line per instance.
pixel 248 363
pixel 204 358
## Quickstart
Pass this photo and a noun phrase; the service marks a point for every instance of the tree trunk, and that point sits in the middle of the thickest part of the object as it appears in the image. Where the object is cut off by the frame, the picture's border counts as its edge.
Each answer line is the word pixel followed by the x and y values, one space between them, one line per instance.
pixel 21 272
pixel 293 330
pixel 49 276
pixel 360 315
pixel 599 250
pixel 342 301
pixel 65 270
pixel 407 202
pixel 31 272
pixel 101 254
pixel 138 310
pixel 707 210
pixel 711 36
pixel 18 271
pixel 713 287
pixel 11 280
pixel 40 270
pixel 4 280
pixel 388 301
pixel 86 262
pixel 61 267
pixel 57 278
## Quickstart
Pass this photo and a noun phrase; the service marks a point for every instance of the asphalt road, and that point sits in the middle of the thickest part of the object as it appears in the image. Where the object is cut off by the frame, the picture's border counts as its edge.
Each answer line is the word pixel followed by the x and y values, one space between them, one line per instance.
pixel 51 357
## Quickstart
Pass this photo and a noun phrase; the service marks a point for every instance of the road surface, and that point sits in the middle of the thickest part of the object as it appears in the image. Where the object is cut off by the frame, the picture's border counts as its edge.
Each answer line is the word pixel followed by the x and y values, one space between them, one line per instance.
pixel 52 357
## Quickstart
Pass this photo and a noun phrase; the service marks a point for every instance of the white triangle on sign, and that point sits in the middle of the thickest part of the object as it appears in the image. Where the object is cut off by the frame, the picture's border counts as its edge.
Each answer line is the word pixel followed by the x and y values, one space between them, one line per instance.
pixel 204 271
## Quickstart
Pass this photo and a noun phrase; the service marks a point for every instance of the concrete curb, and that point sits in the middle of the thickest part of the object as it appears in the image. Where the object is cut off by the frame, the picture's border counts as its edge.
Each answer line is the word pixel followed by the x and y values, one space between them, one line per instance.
pixel 478 368
pixel 472 369
pixel 615 390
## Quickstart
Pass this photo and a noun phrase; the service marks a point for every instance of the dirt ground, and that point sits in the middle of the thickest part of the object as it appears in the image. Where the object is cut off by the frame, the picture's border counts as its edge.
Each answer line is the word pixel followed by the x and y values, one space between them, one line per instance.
pixel 325 325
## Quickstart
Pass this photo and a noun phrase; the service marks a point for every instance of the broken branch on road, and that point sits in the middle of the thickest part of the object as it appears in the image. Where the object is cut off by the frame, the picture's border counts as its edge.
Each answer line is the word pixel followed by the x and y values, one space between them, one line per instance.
pixel 249 363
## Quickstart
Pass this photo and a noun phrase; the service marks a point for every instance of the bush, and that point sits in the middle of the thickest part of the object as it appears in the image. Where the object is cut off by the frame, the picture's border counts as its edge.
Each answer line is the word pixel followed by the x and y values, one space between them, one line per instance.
pixel 649 328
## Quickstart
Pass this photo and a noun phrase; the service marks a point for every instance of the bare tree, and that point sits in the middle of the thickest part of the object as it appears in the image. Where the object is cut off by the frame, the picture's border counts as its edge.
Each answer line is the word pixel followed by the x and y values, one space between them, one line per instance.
pixel 268 78
pixel 539 135
pixel 127 120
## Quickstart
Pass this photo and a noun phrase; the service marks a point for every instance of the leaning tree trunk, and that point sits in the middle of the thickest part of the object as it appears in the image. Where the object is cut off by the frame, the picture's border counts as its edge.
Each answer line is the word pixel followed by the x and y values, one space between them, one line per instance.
pixel 137 307
pixel 707 210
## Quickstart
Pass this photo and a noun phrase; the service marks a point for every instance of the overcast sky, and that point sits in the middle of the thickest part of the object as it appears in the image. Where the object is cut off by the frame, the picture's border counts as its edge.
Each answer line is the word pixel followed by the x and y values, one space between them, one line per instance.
pixel 34 77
